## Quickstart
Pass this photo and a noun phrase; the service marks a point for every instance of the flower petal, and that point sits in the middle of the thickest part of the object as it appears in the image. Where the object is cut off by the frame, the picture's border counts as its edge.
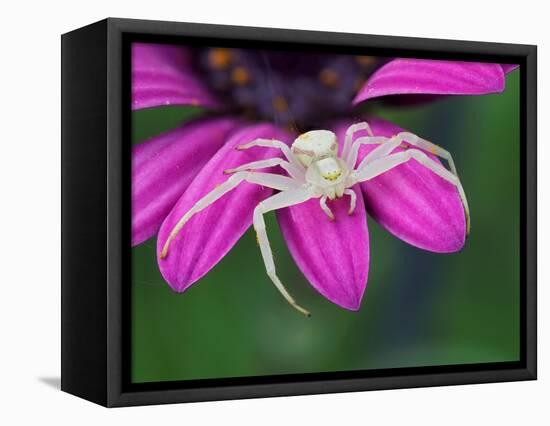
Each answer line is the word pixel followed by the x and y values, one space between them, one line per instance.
pixel 413 203
pixel 508 68
pixel 431 77
pixel 163 75
pixel 165 165
pixel 211 233
pixel 333 255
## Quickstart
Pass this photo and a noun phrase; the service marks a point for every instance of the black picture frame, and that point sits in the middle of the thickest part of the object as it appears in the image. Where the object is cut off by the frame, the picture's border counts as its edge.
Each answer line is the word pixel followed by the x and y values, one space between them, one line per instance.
pixel 96 226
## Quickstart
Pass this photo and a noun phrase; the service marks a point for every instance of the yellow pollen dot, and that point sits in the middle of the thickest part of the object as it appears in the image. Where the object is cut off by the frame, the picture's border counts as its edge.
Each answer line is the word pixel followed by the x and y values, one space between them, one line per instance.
pixel 240 76
pixel 219 58
pixel 365 61
pixel 329 77
pixel 433 150
pixel 280 104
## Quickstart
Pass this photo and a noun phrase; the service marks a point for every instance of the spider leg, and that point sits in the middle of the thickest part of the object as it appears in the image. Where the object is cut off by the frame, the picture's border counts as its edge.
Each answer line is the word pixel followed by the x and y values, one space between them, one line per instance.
pixel 325 208
pixel 273 143
pixel 269 180
pixel 352 201
pixel 381 165
pixel 278 201
pixel 385 148
pixel 353 153
pixel 349 135
pixel 293 171
pixel 411 139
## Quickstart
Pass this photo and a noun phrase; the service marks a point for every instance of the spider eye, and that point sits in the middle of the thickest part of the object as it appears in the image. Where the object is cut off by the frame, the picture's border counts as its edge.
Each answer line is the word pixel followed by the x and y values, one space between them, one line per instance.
pixel 329 168
pixel 332 176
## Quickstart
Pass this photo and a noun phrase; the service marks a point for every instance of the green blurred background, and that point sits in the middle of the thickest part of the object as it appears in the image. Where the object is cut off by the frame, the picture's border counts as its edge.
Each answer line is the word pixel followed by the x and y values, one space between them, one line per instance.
pixel 419 308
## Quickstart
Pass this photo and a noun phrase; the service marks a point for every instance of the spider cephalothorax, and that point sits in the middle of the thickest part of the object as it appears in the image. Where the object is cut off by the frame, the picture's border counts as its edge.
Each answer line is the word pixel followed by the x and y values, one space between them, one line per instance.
pixel 317 151
pixel 316 170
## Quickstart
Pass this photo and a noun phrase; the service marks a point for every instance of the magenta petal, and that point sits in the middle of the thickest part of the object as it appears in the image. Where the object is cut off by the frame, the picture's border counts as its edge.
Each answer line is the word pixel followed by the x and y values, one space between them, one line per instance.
pixel 333 255
pixel 211 233
pixel 165 165
pixel 430 77
pixel 162 75
pixel 413 203
pixel 508 68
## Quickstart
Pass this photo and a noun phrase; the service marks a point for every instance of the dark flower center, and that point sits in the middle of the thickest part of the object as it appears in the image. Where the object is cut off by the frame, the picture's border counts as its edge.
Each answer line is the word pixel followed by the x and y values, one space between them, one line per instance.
pixel 298 90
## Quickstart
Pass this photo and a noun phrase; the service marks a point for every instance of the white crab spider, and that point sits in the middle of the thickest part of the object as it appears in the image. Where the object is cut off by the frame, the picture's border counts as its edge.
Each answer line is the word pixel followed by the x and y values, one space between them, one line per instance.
pixel 316 171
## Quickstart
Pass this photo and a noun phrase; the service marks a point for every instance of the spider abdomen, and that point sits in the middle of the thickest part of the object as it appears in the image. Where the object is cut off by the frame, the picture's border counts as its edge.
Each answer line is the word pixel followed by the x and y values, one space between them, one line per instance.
pixel 315 145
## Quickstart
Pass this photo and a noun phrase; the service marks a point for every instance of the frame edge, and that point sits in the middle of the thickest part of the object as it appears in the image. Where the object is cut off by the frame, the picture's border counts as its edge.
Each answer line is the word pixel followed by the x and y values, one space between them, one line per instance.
pixel 83 218
pixel 117 397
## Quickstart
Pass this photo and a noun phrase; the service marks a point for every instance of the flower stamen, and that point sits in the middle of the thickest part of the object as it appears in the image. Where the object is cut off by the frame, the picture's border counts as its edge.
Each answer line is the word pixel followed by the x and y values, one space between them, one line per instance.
pixel 329 78
pixel 280 104
pixel 240 76
pixel 219 58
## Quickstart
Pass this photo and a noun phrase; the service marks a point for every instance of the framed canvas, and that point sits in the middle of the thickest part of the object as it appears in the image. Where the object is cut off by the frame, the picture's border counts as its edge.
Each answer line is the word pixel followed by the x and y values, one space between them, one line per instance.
pixel 253 212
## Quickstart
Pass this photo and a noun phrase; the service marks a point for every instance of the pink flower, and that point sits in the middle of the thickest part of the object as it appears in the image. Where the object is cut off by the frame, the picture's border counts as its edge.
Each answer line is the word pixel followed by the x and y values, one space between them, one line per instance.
pixel 172 171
